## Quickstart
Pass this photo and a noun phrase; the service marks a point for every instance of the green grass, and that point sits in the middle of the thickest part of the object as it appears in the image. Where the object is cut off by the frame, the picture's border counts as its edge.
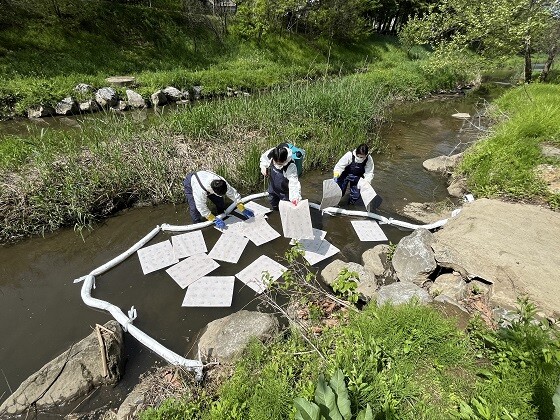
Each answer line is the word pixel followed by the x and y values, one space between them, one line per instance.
pixel 43 61
pixel 406 362
pixel 503 164
pixel 76 177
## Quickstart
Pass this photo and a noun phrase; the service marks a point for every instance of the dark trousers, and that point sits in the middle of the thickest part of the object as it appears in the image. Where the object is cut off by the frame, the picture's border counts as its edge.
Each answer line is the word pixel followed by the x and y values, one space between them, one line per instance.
pixel 195 214
pixel 277 188
pixel 350 180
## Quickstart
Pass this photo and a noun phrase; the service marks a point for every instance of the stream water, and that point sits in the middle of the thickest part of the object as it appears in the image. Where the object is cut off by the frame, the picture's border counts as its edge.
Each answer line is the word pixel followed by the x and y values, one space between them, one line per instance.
pixel 43 314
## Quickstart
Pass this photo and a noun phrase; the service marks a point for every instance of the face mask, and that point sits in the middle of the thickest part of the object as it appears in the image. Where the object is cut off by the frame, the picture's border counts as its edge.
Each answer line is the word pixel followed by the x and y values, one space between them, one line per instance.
pixel 360 159
pixel 278 166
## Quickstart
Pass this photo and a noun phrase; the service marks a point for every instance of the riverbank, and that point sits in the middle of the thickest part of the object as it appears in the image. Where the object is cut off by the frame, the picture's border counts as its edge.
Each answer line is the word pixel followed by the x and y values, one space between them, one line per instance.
pixel 54 179
pixel 519 157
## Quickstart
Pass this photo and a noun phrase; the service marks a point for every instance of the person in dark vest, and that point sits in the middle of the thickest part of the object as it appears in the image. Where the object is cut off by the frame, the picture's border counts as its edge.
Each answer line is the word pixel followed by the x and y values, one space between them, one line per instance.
pixel 350 168
pixel 283 184
pixel 202 185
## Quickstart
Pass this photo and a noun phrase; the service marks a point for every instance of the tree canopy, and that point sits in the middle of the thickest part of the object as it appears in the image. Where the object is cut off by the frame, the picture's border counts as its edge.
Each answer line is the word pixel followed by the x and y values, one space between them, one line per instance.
pixel 492 28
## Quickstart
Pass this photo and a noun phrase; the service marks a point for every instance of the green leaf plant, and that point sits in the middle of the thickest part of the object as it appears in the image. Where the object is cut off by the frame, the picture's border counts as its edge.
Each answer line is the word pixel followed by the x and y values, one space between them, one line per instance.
pixel 345 285
pixel 331 402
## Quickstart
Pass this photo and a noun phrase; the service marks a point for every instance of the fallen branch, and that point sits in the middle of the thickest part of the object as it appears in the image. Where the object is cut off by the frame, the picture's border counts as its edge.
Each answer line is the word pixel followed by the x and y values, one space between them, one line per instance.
pixel 102 348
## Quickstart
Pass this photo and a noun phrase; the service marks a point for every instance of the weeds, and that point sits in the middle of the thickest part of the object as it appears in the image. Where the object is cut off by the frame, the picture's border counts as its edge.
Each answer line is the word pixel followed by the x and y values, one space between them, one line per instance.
pixel 76 177
pixel 403 362
pixel 345 285
pixel 503 164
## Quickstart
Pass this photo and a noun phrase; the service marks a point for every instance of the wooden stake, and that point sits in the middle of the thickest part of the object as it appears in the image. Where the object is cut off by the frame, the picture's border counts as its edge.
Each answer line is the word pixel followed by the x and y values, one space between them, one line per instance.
pixel 102 348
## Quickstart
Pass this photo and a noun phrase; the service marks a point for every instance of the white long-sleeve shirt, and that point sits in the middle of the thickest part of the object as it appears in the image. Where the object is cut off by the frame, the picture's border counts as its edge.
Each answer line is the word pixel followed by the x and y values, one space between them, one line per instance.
pixel 347 160
pixel 200 196
pixel 294 186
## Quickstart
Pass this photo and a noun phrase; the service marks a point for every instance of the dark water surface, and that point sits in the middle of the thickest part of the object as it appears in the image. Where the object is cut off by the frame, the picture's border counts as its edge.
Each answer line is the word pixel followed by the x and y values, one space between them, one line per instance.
pixel 42 311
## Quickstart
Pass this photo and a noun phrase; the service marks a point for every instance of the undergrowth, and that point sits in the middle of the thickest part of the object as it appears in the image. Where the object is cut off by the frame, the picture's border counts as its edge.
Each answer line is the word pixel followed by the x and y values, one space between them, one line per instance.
pixel 393 362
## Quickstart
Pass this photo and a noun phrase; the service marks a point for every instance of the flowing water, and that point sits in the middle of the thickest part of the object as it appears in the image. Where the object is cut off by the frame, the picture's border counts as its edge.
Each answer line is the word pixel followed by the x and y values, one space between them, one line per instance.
pixel 42 311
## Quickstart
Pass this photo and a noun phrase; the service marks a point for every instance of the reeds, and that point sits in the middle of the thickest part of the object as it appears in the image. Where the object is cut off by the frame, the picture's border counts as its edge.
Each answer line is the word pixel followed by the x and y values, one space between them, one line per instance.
pixel 77 177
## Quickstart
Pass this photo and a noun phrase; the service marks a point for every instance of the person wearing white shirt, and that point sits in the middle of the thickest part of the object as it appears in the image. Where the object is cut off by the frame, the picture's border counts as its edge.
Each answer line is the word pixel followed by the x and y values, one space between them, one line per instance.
pixel 350 168
pixel 278 165
pixel 203 185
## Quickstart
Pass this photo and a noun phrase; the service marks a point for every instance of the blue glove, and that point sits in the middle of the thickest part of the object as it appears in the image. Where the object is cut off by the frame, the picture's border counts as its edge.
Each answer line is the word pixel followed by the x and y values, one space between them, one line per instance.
pixel 219 223
pixel 335 179
pixel 248 213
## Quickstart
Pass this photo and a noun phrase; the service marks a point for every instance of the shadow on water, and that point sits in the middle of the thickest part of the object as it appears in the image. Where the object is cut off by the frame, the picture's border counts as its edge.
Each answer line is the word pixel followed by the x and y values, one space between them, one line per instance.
pixel 42 311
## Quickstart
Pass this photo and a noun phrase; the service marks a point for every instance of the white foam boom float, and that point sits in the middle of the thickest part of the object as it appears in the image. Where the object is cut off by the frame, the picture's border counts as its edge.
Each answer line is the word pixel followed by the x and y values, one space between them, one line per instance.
pixel 387 220
pixel 125 320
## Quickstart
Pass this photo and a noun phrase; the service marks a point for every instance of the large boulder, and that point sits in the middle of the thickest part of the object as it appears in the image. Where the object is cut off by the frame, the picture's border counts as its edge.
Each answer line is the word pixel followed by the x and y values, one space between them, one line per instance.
pixel 402 292
pixel 514 246
pixel 225 339
pixel 442 164
pixel 376 261
pixel 413 260
pixel 451 285
pixel 135 100
pixel 173 94
pixel 106 97
pixel 83 367
pixel 40 111
pixel 89 106
pixel 457 187
pixel 67 106
pixel 158 98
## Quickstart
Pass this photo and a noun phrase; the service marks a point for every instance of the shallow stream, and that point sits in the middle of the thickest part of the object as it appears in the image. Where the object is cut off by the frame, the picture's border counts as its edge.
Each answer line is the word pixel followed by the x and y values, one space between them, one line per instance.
pixel 43 314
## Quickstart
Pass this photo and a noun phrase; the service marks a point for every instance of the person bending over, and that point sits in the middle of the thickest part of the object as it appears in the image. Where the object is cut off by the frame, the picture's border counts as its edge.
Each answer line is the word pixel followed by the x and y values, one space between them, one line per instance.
pixel 202 185
pixel 350 168
pixel 283 184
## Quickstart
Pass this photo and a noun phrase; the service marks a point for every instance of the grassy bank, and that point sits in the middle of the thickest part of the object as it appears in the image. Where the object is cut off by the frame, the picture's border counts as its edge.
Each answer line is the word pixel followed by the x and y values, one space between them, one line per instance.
pixel 233 63
pixel 405 362
pixel 42 62
pixel 52 179
pixel 506 163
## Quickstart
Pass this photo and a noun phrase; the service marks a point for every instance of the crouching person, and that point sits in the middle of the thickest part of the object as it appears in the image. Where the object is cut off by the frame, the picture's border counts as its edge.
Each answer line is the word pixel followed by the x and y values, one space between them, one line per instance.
pixel 283 184
pixel 205 185
pixel 350 168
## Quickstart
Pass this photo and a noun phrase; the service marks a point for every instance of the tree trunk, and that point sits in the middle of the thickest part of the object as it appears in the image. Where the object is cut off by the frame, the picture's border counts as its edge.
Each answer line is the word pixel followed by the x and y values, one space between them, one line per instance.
pixel 528 65
pixel 548 64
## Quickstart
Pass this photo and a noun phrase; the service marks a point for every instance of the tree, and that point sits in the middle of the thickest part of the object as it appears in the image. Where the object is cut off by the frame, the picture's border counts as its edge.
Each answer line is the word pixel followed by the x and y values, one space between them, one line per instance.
pixel 550 44
pixel 492 28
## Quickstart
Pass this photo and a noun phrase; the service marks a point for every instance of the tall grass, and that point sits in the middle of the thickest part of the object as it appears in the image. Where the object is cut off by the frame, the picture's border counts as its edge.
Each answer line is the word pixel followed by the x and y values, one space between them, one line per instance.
pixel 77 177
pixel 504 163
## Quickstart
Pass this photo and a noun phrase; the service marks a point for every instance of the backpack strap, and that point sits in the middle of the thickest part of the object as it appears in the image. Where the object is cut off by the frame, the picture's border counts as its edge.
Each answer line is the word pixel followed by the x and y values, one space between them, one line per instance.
pixel 200 183
pixel 285 167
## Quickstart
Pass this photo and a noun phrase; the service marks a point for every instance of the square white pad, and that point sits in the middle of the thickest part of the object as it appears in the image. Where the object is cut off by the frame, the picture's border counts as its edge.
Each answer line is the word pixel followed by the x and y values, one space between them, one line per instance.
pixel 157 256
pixel 252 275
pixel 191 269
pixel 187 244
pixel 368 230
pixel 209 291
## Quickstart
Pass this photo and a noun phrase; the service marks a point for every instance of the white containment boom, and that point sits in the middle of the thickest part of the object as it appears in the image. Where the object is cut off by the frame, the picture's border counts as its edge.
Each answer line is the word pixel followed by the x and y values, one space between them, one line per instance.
pixel 126 320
